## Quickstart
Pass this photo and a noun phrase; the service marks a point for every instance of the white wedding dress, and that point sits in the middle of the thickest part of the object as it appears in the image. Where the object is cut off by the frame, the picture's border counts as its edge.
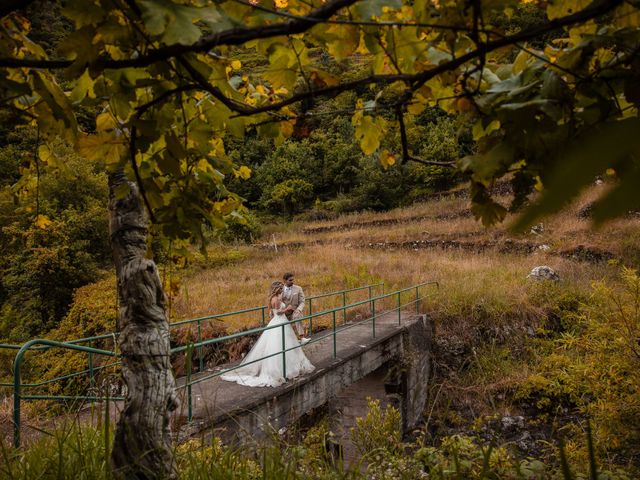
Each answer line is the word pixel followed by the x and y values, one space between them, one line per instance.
pixel 268 371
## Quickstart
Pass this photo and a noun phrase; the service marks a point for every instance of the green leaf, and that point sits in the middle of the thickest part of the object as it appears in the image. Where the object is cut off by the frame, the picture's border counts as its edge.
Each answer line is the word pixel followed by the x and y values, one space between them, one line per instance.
pixel 282 71
pixel 373 8
pixel 484 208
pixel 621 199
pixel 587 156
pixel 174 23
pixel 83 13
pixel 103 147
pixel 486 166
pixel 83 88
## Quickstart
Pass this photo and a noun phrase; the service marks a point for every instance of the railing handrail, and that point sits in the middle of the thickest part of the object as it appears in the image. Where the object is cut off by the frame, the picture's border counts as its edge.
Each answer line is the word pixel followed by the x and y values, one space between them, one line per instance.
pixel 191 320
pixel 255 330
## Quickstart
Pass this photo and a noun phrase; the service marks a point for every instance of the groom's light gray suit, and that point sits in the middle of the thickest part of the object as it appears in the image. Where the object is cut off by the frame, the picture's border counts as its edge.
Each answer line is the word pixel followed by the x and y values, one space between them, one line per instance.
pixel 294 296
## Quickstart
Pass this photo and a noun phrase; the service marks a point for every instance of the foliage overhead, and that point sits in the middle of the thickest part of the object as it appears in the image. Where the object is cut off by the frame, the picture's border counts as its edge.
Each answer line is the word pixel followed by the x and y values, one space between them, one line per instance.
pixel 163 78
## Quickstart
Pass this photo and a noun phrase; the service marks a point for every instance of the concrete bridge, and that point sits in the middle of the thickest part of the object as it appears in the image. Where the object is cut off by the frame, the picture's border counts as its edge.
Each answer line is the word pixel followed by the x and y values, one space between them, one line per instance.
pixel 393 367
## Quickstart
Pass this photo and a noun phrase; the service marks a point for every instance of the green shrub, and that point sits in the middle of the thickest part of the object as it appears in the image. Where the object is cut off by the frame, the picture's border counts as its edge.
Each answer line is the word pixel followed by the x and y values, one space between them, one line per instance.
pixel 93 312
pixel 54 236
pixel 244 228
pixel 593 367
pixel 380 430
pixel 460 456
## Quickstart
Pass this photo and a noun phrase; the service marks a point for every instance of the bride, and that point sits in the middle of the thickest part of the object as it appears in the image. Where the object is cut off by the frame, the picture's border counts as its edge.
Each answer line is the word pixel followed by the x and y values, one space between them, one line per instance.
pixel 267 372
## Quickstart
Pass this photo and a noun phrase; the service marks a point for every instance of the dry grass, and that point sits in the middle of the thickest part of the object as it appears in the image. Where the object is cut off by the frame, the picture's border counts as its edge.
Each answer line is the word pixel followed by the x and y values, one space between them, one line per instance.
pixel 470 282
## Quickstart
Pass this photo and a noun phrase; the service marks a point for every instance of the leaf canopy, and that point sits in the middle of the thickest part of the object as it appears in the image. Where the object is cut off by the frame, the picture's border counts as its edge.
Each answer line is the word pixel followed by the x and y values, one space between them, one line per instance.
pixel 553 103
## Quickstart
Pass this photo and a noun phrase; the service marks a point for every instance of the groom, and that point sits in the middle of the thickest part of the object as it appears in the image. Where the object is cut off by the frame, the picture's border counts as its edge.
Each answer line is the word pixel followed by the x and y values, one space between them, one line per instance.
pixel 293 298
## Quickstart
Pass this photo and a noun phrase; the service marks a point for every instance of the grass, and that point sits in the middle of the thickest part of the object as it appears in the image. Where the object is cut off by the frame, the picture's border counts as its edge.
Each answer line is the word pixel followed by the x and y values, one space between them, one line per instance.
pixel 488 314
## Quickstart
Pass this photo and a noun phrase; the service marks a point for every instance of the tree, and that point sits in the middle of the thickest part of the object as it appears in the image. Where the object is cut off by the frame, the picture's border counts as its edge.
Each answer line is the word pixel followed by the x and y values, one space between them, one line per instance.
pixel 162 76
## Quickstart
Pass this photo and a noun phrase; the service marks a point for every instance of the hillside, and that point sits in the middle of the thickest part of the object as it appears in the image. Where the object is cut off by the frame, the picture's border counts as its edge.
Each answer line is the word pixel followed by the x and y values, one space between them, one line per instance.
pixel 515 358
pixel 505 343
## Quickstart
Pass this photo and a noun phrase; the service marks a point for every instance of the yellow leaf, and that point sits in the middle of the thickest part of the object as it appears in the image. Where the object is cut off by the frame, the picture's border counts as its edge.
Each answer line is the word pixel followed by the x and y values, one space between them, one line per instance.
pixel 520 62
pixel 370 132
pixel 83 88
pixel 387 159
pixel 538 186
pixel 243 172
pixel 236 64
pixel 105 147
pixel 217 145
pixel 105 122
pixel 627 16
pixel 562 8
pixel 480 131
pixel 44 153
pixel 42 221
pixel 286 128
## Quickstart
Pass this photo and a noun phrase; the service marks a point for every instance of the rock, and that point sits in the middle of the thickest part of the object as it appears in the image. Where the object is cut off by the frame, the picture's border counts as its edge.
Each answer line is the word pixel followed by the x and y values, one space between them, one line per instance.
pixel 544 247
pixel 512 423
pixel 543 272
pixel 525 441
pixel 537 229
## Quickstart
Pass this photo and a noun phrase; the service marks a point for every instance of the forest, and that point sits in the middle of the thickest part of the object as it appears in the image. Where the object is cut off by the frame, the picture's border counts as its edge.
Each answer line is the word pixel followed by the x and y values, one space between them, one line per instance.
pixel 319 127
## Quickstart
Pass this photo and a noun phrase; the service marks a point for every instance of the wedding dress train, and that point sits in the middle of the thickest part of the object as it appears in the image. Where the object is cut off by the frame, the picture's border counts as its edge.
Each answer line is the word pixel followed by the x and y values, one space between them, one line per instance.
pixel 268 371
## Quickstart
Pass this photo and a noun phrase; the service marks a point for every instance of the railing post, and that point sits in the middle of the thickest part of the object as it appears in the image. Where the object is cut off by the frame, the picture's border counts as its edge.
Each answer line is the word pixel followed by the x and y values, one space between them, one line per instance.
pixel 17 384
pixel 201 359
pixel 417 301
pixel 189 392
pixel 284 355
pixel 310 318
pixel 370 295
pixel 335 346
pixel 373 317
pixel 399 317
pixel 91 380
pixel 263 309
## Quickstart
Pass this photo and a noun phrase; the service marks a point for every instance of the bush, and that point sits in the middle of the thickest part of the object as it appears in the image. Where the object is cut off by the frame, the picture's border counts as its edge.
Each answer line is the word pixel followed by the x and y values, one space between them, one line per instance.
pixel 379 430
pixel 92 313
pixel 244 228
pixel 54 240
pixel 289 197
pixel 593 367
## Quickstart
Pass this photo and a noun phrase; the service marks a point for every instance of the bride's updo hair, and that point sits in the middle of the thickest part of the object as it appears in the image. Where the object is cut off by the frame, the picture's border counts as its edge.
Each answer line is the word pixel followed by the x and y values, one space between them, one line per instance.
pixel 276 289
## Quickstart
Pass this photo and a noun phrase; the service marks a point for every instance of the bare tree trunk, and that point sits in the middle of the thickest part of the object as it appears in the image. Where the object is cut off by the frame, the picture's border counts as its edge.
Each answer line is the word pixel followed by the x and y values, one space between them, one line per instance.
pixel 142 445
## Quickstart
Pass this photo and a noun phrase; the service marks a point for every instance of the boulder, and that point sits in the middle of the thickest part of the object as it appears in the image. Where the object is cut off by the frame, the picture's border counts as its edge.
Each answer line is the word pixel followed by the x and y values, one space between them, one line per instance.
pixel 543 272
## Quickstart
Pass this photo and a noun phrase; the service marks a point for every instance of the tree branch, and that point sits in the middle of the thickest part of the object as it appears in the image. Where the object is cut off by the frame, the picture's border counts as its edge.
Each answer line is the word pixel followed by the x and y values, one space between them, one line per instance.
pixel 240 35
pixel 360 23
pixel 431 162
pixel 403 134
pixel 232 36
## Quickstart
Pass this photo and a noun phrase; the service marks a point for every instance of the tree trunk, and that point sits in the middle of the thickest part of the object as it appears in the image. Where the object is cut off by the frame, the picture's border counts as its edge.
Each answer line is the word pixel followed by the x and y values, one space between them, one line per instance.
pixel 142 445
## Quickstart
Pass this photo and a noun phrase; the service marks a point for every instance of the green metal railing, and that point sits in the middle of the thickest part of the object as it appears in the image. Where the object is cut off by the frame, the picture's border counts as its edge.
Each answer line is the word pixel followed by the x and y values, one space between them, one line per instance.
pixel 43 344
pixel 91 369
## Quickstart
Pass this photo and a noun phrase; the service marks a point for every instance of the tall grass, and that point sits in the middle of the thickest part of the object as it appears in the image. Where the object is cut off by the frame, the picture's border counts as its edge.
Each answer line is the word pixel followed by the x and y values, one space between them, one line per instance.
pixel 76 451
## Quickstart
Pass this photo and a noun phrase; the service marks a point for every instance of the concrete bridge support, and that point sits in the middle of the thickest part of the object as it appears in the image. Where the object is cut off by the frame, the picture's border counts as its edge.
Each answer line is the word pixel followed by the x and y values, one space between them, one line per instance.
pixel 401 382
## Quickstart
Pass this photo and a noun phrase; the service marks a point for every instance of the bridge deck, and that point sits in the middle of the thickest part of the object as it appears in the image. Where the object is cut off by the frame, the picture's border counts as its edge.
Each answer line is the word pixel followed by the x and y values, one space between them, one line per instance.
pixel 216 401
